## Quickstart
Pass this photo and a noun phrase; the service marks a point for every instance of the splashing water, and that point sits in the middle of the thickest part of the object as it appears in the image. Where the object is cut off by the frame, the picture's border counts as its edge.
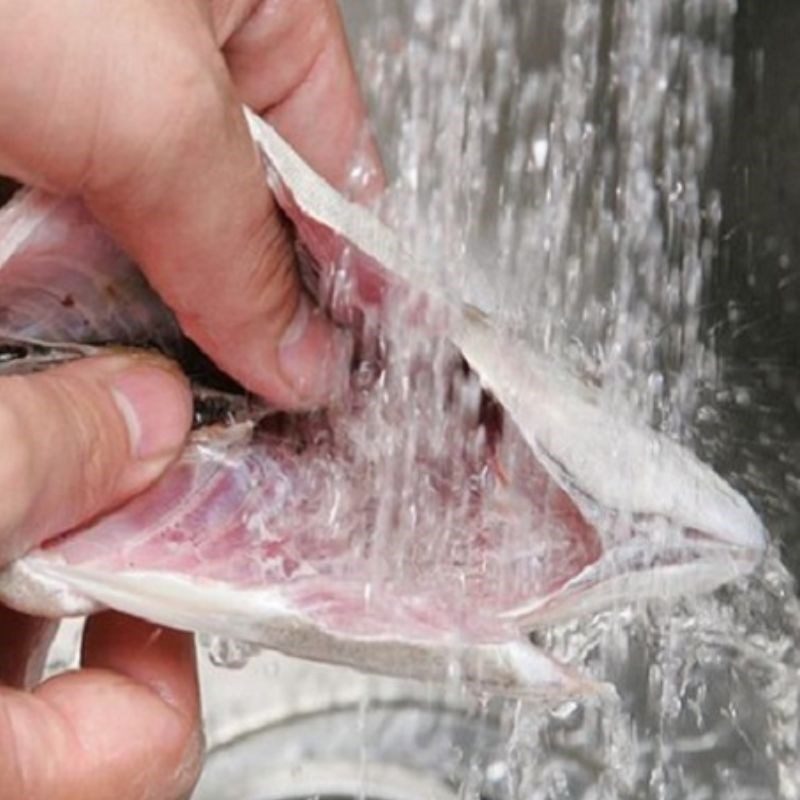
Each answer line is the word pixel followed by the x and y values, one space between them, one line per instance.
pixel 551 159
pixel 557 163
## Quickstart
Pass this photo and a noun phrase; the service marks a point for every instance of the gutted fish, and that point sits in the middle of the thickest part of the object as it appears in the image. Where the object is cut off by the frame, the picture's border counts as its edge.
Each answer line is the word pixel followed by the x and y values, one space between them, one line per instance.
pixel 268 528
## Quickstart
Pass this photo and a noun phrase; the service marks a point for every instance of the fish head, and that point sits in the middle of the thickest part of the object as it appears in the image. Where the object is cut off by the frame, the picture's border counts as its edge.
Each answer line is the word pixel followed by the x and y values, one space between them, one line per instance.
pixel 667 525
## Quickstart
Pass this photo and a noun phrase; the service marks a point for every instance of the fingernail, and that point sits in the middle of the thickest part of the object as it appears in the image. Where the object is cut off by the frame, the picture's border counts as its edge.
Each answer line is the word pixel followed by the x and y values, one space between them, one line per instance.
pixel 314 355
pixel 157 408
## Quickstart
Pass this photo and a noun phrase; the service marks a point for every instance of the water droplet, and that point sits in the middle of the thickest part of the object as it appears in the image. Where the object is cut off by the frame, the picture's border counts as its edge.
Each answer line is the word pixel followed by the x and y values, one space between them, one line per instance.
pixel 540 148
pixel 229 652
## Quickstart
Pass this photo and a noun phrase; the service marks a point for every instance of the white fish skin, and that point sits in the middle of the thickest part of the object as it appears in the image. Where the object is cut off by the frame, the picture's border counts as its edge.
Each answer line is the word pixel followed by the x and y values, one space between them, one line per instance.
pixel 512 667
pixel 637 515
pixel 620 466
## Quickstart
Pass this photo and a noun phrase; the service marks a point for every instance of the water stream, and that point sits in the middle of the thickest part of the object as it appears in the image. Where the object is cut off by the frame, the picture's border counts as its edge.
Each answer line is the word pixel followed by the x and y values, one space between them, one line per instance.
pixel 562 164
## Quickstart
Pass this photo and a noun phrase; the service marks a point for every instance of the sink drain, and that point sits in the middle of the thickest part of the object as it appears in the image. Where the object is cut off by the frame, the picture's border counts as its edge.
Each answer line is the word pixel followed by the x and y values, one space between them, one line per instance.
pixel 345 782
pixel 395 752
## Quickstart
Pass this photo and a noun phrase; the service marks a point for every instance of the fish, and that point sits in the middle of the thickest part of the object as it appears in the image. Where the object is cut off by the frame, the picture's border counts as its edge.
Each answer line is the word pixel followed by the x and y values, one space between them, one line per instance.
pixel 267 529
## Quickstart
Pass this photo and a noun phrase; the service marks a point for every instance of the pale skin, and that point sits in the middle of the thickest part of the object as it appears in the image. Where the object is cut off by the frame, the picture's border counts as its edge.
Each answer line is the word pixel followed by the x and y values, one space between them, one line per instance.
pixel 135 106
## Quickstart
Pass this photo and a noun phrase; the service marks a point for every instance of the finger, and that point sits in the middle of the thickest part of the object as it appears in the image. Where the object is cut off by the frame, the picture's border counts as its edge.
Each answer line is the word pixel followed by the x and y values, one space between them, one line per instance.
pixel 81 438
pixel 147 125
pixel 157 657
pixel 290 61
pixel 124 728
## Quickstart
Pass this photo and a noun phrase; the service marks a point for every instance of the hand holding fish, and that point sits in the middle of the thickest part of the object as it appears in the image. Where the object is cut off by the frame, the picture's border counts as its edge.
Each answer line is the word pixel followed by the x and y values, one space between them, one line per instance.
pixel 136 107
pixel 125 726
pixel 262 530
pixel 77 440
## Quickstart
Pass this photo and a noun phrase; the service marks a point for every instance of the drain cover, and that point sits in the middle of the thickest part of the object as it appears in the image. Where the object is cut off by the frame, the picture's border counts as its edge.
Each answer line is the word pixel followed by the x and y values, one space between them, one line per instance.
pixel 399 752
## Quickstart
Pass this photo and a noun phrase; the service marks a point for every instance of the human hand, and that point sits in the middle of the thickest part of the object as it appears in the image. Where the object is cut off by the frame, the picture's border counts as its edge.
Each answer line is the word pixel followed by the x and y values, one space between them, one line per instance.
pixel 136 106
pixel 77 440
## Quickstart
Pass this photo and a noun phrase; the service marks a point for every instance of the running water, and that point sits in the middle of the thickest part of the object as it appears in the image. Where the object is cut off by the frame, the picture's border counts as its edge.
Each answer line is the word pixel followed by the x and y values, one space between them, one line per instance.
pixel 558 163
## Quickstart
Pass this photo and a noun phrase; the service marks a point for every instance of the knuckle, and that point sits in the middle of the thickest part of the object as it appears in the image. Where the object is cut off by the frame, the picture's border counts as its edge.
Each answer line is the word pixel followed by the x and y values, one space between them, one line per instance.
pixel 29 729
pixel 12 769
pixel 305 28
pixel 64 454
pixel 272 279
pixel 17 459
pixel 192 106
pixel 95 444
pixel 262 286
pixel 137 156
pixel 16 468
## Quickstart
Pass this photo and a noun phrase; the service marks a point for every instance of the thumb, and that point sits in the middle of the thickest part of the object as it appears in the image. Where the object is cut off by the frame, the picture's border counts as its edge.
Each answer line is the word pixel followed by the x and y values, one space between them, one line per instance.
pixel 81 438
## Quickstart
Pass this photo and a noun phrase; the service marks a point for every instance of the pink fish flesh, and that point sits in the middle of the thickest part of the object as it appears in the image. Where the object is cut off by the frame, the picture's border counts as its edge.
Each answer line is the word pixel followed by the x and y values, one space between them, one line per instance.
pixel 266 529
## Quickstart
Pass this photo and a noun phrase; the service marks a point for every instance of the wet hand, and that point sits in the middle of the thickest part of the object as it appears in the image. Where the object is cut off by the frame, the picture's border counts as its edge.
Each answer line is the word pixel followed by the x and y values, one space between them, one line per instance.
pixel 136 105
pixel 77 440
